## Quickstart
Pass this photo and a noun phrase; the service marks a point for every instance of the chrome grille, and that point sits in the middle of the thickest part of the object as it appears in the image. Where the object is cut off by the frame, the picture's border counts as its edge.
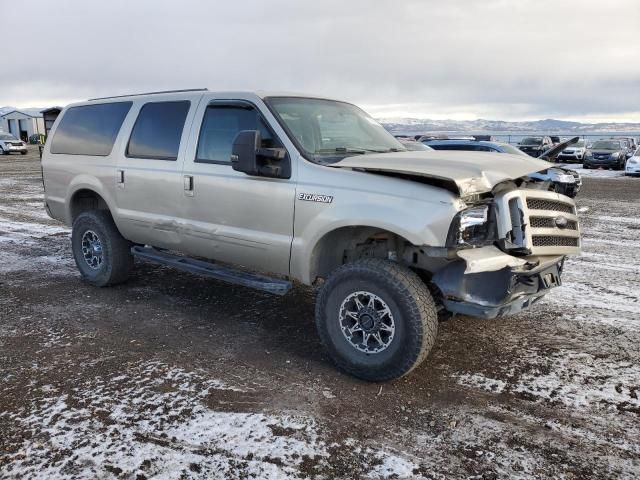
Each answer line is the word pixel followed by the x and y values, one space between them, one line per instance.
pixel 528 222
pixel 550 222
pixel 541 204
pixel 554 241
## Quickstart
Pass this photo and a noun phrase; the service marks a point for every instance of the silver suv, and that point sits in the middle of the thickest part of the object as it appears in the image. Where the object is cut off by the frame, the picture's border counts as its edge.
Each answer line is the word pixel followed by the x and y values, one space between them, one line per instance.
pixel 307 189
pixel 10 144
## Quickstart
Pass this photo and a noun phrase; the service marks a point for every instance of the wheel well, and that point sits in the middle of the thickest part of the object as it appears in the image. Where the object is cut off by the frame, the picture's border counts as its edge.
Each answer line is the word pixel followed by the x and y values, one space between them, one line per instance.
pixel 84 200
pixel 347 244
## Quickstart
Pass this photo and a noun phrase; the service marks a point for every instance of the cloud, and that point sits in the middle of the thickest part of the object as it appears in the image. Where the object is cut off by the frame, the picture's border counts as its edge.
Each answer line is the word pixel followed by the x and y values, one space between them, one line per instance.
pixel 495 58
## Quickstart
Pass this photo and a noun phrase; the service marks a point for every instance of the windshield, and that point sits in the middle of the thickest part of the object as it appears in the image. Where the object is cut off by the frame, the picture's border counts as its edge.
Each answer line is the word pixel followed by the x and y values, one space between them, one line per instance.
pixel 506 148
pixel 531 141
pixel 606 145
pixel 328 130
pixel 6 136
pixel 578 144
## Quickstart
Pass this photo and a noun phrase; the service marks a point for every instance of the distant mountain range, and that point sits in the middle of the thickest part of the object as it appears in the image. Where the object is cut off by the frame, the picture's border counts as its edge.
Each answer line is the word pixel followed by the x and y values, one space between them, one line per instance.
pixel 31 111
pixel 412 126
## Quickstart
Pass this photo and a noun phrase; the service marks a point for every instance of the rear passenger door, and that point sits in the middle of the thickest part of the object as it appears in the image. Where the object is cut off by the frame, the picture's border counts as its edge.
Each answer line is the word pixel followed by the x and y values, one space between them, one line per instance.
pixel 232 216
pixel 149 171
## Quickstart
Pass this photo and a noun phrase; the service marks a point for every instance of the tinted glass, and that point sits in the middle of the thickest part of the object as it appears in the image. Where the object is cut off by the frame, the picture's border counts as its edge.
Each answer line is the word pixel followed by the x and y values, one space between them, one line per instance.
pixel 5 136
pixel 89 129
pixel 220 126
pixel 158 130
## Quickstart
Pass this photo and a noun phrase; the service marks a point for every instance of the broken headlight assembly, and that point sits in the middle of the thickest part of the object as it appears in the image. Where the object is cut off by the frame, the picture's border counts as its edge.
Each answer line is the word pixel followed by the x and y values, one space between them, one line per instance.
pixel 473 227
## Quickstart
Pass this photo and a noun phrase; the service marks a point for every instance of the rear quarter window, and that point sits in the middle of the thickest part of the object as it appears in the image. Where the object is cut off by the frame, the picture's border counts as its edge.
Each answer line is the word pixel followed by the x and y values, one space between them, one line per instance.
pixel 89 129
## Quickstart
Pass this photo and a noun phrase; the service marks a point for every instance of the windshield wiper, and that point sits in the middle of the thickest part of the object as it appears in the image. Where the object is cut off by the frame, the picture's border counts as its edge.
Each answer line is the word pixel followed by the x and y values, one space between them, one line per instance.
pixel 357 150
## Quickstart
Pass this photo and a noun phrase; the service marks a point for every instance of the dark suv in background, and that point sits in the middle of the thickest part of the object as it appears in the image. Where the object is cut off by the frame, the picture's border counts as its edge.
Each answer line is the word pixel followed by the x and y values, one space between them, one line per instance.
pixel 610 154
pixel 535 146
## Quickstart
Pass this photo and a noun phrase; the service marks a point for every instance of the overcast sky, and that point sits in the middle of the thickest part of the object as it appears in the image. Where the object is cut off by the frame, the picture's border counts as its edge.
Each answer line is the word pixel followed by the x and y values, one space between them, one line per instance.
pixel 466 59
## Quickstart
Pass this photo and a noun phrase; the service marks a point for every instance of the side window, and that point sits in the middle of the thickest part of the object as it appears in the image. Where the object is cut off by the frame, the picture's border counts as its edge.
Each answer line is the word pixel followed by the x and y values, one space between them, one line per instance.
pixel 460 146
pixel 220 126
pixel 483 148
pixel 157 131
pixel 89 129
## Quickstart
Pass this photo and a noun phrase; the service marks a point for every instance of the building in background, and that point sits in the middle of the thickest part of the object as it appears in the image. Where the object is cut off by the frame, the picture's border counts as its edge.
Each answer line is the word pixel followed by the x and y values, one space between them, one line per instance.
pixel 22 125
pixel 49 115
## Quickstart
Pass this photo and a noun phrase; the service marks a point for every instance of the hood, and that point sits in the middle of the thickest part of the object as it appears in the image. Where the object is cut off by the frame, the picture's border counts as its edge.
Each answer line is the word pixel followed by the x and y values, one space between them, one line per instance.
pixel 470 172
pixel 554 151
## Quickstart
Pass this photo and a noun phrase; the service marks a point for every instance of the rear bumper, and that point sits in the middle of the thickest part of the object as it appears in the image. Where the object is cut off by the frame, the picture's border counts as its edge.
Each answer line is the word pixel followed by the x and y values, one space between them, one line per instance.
pixel 497 293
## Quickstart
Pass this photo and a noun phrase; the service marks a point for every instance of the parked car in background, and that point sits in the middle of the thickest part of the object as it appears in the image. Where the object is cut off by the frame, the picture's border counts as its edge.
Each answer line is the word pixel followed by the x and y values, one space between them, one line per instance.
pixel 564 180
pixel 574 153
pixel 555 140
pixel 412 145
pixel 10 144
pixel 609 154
pixel 535 146
pixel 633 145
pixel 633 164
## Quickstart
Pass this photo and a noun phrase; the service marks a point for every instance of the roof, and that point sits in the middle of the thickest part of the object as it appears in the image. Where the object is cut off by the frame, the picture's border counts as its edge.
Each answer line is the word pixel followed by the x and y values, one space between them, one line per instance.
pixel 258 93
pixel 23 113
pixel 51 109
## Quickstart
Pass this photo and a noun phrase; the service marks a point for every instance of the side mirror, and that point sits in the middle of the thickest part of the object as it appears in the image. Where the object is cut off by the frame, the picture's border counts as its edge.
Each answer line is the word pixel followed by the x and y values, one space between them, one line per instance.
pixel 248 156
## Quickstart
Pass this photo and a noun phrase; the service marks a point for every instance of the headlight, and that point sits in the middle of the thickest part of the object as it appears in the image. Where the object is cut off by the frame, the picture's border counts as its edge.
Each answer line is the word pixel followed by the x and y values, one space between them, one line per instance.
pixel 615 155
pixel 632 161
pixel 588 154
pixel 472 227
pixel 562 178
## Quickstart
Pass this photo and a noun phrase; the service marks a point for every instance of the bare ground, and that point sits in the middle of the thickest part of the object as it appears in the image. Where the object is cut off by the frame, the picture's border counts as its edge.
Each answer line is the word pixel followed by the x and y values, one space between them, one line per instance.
pixel 176 376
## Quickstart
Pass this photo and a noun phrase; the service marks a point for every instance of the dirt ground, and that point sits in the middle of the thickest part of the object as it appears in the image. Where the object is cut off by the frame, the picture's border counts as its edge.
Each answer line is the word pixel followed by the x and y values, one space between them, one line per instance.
pixel 176 376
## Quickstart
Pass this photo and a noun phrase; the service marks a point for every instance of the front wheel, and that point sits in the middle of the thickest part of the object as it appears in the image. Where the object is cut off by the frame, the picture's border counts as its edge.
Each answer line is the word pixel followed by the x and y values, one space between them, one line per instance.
pixel 376 319
pixel 102 255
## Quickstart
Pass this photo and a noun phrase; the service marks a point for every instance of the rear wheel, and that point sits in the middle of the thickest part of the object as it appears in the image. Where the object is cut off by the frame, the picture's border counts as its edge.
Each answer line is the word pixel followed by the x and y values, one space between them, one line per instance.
pixel 376 319
pixel 2 152
pixel 102 255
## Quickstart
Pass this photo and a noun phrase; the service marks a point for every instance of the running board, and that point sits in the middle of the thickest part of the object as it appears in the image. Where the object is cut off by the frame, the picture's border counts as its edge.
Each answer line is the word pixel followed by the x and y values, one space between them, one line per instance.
pixel 209 269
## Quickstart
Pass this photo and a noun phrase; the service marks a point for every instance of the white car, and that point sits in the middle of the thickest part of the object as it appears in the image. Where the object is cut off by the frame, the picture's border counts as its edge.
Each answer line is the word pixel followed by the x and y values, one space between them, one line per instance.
pixel 10 144
pixel 633 164
pixel 573 153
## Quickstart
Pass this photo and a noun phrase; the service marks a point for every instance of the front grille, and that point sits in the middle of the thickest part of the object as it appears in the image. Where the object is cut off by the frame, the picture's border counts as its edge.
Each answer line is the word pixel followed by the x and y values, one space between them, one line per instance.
pixel 541 204
pixel 527 222
pixel 554 241
pixel 16 144
pixel 549 222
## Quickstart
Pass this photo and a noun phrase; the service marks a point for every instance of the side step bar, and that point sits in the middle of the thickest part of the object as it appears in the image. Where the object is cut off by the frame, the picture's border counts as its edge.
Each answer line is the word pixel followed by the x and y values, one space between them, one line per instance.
pixel 209 269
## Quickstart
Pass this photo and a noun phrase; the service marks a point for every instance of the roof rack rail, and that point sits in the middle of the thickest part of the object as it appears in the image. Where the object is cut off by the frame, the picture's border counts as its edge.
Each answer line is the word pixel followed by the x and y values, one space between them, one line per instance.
pixel 151 93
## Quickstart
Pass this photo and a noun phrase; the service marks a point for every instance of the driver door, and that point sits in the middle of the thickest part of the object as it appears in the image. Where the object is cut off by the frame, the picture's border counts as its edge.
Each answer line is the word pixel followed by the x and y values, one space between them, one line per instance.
pixel 231 216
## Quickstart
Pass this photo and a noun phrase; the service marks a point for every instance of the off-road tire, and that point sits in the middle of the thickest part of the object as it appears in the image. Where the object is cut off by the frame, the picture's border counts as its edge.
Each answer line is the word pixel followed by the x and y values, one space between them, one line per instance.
pixel 23 153
pixel 116 250
pixel 414 311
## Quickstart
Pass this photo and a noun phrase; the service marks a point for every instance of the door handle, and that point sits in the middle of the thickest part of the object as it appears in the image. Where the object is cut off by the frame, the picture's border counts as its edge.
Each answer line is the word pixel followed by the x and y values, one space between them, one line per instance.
pixel 188 185
pixel 120 178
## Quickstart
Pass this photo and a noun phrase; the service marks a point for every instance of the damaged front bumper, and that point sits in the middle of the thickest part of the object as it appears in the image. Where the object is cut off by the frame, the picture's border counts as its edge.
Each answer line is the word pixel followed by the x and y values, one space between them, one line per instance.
pixel 505 288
